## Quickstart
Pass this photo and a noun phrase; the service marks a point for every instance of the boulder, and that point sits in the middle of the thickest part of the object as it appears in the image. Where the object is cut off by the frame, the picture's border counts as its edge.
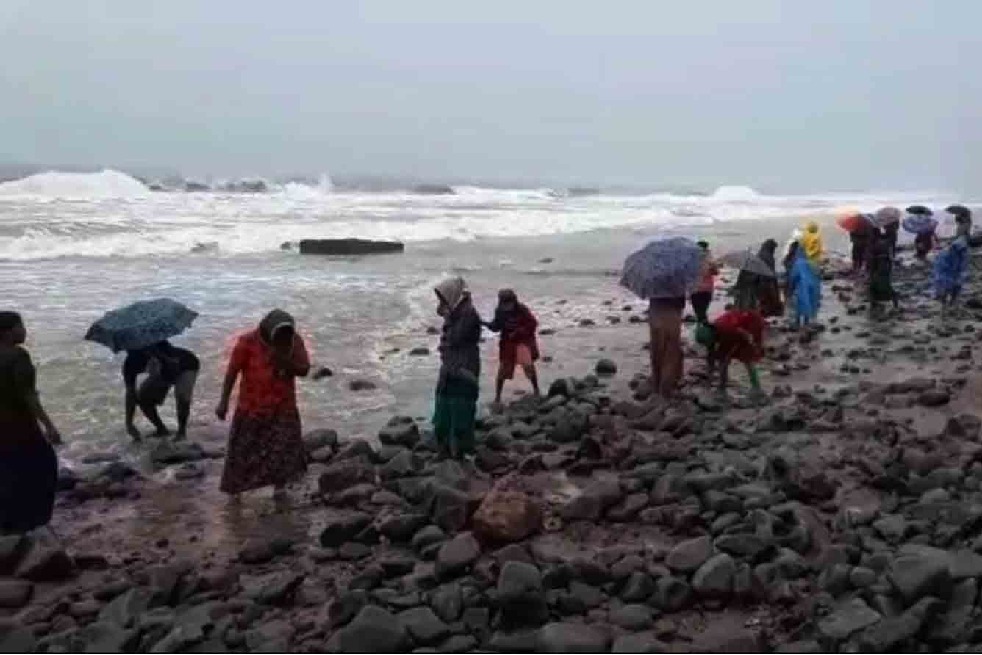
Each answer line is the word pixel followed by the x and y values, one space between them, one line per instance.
pixel 632 617
pixel 12 549
pixel 714 579
pixel 424 627
pixel 176 452
pixel 639 642
pixel 400 434
pixel 521 600
pixel 916 576
pixel 349 247
pixel 317 439
pixel 689 555
pixel 14 594
pixel 450 507
pixel 448 602
pixel 506 516
pixel 345 474
pixel 373 630
pixel 341 529
pixel 45 563
pixel 848 618
pixel 400 527
pixel 457 555
pixel 570 427
pixel 606 368
pixel 572 638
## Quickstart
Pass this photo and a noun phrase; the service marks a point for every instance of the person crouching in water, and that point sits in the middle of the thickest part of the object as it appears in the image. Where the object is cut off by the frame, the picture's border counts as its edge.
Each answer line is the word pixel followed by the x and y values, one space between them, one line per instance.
pixel 881 271
pixel 736 334
pixel 517 346
pixel 458 385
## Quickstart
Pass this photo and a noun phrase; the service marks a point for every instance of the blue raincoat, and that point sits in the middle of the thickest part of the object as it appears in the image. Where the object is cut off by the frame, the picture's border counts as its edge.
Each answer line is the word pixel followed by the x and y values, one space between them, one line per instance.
pixel 951 268
pixel 806 288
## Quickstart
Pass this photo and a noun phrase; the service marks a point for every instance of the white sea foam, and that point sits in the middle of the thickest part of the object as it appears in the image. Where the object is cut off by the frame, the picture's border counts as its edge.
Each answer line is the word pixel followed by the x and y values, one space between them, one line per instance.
pixel 58 184
pixel 109 214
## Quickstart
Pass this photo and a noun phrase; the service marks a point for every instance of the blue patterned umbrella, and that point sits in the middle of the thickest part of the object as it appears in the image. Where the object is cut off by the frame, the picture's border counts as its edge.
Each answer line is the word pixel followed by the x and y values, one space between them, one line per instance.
pixel 919 223
pixel 665 268
pixel 141 324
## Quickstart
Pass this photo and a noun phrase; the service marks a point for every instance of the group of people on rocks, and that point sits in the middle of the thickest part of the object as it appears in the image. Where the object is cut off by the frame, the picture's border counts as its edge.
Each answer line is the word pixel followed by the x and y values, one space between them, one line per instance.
pixel 265 446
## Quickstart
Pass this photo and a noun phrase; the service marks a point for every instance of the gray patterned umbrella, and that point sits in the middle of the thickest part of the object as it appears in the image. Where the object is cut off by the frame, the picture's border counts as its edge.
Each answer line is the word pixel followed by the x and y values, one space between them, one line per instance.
pixel 141 324
pixel 746 260
pixel 665 268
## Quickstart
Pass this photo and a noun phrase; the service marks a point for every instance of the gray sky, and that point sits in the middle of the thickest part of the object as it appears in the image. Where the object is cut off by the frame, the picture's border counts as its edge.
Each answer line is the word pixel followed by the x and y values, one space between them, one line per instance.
pixel 844 94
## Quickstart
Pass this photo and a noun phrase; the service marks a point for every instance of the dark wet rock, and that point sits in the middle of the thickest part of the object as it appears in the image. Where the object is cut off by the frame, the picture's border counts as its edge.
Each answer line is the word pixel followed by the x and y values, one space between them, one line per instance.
pixel 606 368
pixel 14 594
pixel 570 427
pixel 671 594
pixel 260 551
pixel 451 507
pixel 341 529
pixel 424 627
pixel 560 387
pixel 176 452
pixel 714 579
pixel 105 637
pixel 689 555
pixel 342 475
pixel 520 596
pixel 362 385
pixel 518 641
pixel 348 247
pixel 401 431
pixel 593 501
pixel 402 465
pixel 632 617
pixel 506 516
pixel 448 602
pixel 127 607
pixel 639 587
pixel 743 545
pixel 914 577
pixel 419 351
pixel 457 555
pixel 399 526
pixel 45 563
pixel 321 373
pixel 317 439
pixel 274 589
pixel 428 536
pixel 12 549
pixel 846 619
pixel 628 508
pixel 572 638
pixel 639 642
pixel 890 634
pixel 373 630
pixel 934 398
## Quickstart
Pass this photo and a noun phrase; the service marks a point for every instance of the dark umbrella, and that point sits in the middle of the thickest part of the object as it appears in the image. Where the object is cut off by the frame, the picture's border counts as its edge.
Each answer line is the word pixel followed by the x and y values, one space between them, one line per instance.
pixel 960 212
pixel 746 260
pixel 141 324
pixel 919 210
pixel 665 268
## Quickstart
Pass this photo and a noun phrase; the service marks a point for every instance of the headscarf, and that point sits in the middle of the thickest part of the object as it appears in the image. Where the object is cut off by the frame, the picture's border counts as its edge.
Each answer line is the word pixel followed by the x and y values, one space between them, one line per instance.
pixel 767 250
pixel 507 295
pixel 273 322
pixel 452 291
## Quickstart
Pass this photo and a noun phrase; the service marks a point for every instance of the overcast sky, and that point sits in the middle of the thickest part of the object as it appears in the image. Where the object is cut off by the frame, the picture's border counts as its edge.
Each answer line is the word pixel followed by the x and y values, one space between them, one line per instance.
pixel 797 95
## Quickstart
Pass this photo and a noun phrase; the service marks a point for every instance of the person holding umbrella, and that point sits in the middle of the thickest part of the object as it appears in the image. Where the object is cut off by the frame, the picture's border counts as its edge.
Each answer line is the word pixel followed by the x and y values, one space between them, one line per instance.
pixel 28 464
pixel 142 330
pixel 921 223
pixel 664 272
pixel 881 271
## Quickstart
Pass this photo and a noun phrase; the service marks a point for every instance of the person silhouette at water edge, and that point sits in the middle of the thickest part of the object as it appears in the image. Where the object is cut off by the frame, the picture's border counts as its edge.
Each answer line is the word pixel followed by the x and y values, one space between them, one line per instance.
pixel 166 366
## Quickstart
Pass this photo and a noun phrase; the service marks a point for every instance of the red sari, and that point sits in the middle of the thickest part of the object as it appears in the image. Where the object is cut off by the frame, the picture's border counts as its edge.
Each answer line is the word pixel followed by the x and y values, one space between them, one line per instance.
pixel 265 445
pixel 732 344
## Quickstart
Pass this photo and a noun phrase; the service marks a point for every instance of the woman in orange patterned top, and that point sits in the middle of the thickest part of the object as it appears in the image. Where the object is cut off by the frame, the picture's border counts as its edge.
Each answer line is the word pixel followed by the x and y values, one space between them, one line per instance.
pixel 265 446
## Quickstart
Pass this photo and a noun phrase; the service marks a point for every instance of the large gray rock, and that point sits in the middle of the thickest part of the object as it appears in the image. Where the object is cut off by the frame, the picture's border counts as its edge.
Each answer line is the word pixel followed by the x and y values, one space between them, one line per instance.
pixel 714 579
pixel 349 247
pixel 570 427
pixel 16 638
pixel 46 563
pixel 916 576
pixel 521 599
pixel 317 439
pixel 400 433
pixel 424 627
pixel 344 528
pixel 457 555
pixel 105 637
pixel 127 607
pixel 14 594
pixel 689 555
pixel 451 507
pixel 572 638
pixel 639 642
pixel 399 526
pixel 344 474
pixel 671 594
pixel 632 617
pixel 846 619
pixel 890 634
pixel 448 602
pixel 373 630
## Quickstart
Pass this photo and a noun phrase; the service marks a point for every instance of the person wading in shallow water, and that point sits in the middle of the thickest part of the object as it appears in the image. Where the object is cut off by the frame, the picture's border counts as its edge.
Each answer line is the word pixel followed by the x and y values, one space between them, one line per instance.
pixel 517 346
pixel 265 445
pixel 28 464
pixel 166 366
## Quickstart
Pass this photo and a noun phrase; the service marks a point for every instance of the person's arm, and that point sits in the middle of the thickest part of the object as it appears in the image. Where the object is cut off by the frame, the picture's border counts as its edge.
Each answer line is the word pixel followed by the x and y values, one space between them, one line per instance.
pixel 235 364
pixel 496 325
pixel 25 380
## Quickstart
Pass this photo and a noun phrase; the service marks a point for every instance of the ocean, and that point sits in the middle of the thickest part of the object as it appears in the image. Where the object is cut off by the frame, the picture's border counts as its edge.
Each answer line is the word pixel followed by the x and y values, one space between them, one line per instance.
pixel 75 245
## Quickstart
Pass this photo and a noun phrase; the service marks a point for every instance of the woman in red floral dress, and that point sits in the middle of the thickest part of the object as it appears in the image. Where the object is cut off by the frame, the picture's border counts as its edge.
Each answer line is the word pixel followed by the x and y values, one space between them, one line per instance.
pixel 265 446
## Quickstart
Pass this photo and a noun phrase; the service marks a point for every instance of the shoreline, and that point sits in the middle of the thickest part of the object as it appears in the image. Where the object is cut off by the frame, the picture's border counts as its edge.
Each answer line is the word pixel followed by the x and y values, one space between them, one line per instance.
pixel 833 518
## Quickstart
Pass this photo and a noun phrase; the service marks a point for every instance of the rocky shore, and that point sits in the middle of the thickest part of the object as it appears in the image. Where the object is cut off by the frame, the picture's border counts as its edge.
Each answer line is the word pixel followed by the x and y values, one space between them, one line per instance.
pixel 843 515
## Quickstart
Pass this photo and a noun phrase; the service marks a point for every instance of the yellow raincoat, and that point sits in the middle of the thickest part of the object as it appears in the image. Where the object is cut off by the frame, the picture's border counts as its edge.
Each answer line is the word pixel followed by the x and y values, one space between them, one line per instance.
pixel 811 241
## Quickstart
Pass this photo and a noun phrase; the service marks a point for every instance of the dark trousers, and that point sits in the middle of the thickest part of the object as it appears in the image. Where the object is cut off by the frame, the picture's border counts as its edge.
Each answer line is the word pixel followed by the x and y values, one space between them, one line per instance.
pixel 700 304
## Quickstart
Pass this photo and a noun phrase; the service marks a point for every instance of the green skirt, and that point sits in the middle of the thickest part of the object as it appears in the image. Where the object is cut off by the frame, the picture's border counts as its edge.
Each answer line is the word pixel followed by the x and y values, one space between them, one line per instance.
pixel 453 417
pixel 880 287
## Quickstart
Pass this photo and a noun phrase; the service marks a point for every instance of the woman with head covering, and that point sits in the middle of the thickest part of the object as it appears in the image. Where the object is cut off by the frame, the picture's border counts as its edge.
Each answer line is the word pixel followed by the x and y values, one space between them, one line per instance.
pixel 881 271
pixel 28 464
pixel 951 271
pixel 457 387
pixel 805 289
pixel 517 346
pixel 265 446
pixel 811 243
pixel 768 290
pixel 702 297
